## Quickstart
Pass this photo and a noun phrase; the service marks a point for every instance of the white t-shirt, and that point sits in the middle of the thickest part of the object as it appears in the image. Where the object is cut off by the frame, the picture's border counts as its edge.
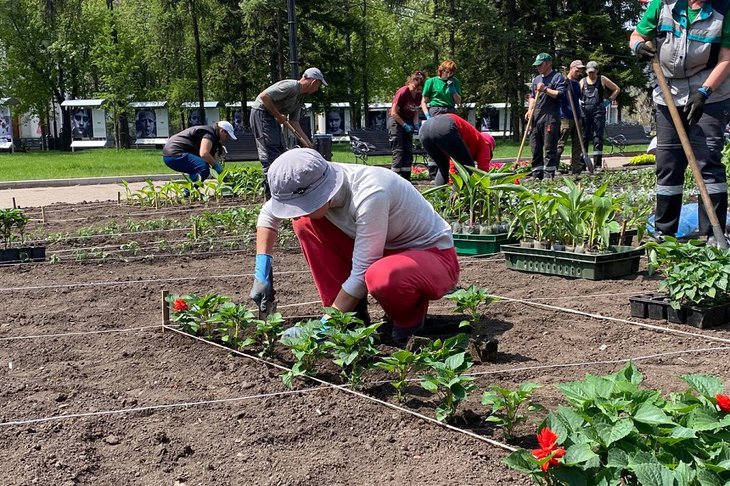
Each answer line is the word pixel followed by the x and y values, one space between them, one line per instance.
pixel 379 210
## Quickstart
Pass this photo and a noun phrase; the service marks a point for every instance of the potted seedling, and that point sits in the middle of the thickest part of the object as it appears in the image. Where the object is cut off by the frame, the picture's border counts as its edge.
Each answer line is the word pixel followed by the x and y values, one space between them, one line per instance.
pixel 476 201
pixel 696 284
pixel 584 223
pixel 12 224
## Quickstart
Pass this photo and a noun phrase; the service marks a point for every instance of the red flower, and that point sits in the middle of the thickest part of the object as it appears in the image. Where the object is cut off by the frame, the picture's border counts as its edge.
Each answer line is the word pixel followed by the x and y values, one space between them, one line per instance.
pixel 179 305
pixel 548 448
pixel 723 402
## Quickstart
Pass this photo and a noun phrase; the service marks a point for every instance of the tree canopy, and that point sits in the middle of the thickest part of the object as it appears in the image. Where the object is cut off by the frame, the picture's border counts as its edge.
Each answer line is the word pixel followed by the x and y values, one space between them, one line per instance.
pixel 133 50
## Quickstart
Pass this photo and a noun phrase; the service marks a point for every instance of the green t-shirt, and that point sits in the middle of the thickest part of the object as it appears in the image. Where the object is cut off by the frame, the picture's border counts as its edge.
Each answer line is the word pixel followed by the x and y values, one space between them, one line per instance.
pixel 437 91
pixel 648 24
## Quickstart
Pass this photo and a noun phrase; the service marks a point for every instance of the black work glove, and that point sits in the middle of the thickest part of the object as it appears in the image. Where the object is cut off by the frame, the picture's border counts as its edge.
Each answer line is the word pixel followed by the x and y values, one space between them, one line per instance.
pixel 645 51
pixel 694 107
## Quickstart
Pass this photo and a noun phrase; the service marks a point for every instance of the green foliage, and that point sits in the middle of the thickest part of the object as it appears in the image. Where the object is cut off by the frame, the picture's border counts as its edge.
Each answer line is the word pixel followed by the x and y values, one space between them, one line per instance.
pixel 693 274
pixel 306 346
pixel 12 221
pixel 267 331
pixel 505 405
pixel 643 159
pixel 350 348
pixel 447 380
pixel 401 363
pixel 471 301
pixel 615 432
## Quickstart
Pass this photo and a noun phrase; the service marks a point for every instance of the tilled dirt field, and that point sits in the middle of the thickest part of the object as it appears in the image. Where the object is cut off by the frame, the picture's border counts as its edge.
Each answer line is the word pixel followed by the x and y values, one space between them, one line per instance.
pixel 255 431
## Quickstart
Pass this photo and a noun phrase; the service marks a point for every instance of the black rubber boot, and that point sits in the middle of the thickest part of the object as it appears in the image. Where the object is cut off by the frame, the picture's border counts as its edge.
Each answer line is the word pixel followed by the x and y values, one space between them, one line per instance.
pixel 361 312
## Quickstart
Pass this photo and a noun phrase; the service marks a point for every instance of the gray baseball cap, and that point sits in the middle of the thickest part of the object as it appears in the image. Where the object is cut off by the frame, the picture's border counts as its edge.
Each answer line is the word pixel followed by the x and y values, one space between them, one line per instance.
pixel 301 182
pixel 591 66
pixel 315 73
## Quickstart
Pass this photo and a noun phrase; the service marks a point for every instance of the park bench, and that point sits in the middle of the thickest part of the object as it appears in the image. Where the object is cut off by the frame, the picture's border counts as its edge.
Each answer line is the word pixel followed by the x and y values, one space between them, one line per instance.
pixel 367 143
pixel 620 135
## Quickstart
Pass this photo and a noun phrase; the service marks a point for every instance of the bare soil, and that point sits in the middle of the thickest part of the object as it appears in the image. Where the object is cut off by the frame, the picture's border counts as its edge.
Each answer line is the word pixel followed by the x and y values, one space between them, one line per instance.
pixel 314 436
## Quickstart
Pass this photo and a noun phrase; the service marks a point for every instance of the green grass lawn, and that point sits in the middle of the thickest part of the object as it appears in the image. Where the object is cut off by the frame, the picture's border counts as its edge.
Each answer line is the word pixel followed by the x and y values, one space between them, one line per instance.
pixel 111 162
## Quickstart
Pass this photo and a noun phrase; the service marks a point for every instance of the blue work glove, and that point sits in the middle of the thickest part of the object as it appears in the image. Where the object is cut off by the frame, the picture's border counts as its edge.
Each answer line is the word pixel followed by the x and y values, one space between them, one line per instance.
pixel 695 106
pixel 408 127
pixel 416 126
pixel 606 103
pixel 428 116
pixel 262 291
pixel 452 86
pixel 217 167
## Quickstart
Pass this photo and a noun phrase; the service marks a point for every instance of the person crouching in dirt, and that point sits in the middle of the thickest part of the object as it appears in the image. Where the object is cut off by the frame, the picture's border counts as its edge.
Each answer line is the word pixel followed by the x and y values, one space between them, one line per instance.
pixel 448 137
pixel 192 150
pixel 362 230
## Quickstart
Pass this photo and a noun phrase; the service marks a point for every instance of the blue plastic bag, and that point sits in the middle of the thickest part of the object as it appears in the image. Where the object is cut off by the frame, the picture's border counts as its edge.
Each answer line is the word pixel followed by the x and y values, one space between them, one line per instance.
pixel 689 225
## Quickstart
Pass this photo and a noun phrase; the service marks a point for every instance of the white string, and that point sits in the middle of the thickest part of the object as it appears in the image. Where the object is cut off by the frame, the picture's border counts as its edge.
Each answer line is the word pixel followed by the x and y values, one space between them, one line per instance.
pixel 141 281
pixel 615 319
pixel 156 212
pixel 80 333
pixel 354 392
pixel 158 407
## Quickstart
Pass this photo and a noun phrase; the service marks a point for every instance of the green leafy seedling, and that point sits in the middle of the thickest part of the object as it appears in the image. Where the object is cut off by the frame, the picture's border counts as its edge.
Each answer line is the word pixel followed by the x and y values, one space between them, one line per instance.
pixel 448 381
pixel 506 404
pixel 306 347
pixel 267 332
pixel 351 349
pixel 470 301
pixel 401 364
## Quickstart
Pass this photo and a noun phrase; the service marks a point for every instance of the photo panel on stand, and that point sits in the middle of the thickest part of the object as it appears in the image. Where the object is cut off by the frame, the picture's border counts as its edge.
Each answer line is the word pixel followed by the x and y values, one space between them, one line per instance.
pixel 145 121
pixel 81 123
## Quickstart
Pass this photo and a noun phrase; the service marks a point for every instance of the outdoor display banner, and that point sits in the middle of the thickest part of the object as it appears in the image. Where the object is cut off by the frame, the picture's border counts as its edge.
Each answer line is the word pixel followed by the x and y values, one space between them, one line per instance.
pixel 6 125
pixel 81 123
pixel 378 120
pixel 145 123
pixel 335 122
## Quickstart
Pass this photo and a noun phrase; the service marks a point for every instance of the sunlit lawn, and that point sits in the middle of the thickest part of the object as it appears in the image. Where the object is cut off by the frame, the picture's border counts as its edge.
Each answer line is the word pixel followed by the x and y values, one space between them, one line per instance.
pixel 111 162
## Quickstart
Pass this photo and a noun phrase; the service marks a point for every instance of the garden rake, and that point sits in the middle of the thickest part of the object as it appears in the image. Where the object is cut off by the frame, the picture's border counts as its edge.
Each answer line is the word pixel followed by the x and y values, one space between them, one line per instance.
pixel 305 143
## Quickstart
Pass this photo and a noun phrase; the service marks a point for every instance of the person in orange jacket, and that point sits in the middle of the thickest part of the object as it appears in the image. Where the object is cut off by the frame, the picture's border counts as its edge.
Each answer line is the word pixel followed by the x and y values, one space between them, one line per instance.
pixel 448 137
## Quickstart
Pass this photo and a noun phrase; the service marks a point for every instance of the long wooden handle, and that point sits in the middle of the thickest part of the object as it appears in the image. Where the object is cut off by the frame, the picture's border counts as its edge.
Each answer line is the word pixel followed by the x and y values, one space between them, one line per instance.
pixel 579 129
pixel 301 139
pixel 684 139
pixel 527 128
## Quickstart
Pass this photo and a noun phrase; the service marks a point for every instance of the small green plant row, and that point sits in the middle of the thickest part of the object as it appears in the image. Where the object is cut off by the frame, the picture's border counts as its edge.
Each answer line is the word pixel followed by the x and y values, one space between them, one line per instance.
pixel 12 225
pixel 613 432
pixel 219 223
pixel 643 159
pixel 350 345
pixel 243 182
pixel 694 274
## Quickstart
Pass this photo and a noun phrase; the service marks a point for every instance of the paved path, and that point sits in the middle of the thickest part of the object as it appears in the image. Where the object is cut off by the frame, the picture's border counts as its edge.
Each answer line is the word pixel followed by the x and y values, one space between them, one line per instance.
pixel 44 193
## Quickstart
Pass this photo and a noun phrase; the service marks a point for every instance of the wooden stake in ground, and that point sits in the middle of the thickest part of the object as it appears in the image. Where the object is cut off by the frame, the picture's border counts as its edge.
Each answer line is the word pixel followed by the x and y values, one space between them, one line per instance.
pixel 684 139
pixel 305 143
pixel 165 310
pixel 527 128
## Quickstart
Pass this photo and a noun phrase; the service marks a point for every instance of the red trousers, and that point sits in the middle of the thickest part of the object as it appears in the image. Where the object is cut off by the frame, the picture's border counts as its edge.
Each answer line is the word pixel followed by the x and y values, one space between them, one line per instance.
pixel 402 282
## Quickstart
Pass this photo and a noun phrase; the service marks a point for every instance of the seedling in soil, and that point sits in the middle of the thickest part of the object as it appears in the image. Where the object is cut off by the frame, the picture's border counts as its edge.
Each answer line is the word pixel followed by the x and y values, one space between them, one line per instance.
pixel 471 301
pixel 439 350
pixel 306 347
pixel 449 383
pixel 199 314
pixel 231 320
pixel 401 364
pixel 267 332
pixel 351 349
pixel 506 405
